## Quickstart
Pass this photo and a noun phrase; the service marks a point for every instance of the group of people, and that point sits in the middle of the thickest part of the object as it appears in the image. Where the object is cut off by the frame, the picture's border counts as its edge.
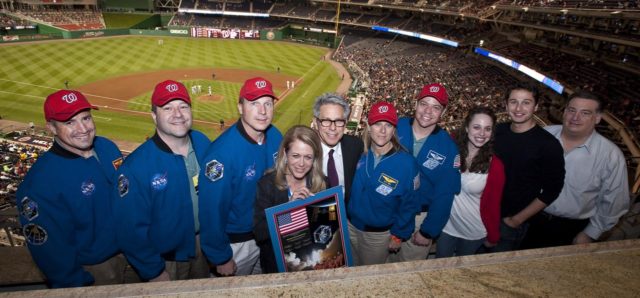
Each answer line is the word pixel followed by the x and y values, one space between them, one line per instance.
pixel 82 18
pixel 181 207
pixel 395 71
pixel 15 161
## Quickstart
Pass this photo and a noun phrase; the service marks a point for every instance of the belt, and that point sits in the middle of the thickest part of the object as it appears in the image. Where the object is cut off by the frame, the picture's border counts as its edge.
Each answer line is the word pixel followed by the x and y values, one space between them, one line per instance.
pixel 424 208
pixel 240 237
pixel 551 217
pixel 376 229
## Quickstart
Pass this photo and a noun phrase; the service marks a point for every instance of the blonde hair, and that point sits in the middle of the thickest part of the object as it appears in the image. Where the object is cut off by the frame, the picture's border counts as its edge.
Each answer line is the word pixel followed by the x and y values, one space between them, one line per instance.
pixel 315 177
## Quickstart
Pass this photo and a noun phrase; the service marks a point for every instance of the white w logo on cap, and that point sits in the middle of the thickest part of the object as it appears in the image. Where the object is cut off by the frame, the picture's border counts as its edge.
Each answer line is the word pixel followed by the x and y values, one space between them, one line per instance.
pixel 383 109
pixel 434 89
pixel 261 84
pixel 69 98
pixel 172 87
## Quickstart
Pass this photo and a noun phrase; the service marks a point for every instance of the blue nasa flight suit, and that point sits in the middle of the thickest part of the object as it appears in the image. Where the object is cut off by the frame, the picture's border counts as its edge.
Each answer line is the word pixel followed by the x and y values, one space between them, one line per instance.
pixel 228 182
pixel 385 196
pixel 153 207
pixel 66 213
pixel 439 163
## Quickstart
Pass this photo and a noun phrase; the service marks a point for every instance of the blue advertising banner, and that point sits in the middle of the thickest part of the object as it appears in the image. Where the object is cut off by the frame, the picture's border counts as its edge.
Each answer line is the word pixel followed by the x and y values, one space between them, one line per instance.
pixel 312 233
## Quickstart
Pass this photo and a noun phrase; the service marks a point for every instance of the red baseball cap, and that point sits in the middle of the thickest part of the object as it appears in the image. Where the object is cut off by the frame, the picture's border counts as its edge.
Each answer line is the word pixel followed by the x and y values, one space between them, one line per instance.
pixel 169 90
pixel 436 91
pixel 255 88
pixel 64 104
pixel 383 111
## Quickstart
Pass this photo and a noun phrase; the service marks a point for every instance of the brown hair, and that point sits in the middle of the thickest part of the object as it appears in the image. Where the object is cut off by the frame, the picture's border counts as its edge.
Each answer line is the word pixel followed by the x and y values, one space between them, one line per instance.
pixel 480 163
pixel 366 139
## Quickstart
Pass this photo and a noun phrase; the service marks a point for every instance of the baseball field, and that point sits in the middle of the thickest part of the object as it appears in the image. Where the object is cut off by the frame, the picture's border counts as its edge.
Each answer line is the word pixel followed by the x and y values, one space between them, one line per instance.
pixel 118 75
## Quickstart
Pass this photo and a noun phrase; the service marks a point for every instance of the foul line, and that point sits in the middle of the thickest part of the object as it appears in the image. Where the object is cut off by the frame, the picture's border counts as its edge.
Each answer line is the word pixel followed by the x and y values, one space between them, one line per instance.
pixel 286 92
pixel 105 118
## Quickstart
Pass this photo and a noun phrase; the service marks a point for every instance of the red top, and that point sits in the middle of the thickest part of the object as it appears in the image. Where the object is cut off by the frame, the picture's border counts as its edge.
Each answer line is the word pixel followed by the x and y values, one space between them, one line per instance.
pixel 491 198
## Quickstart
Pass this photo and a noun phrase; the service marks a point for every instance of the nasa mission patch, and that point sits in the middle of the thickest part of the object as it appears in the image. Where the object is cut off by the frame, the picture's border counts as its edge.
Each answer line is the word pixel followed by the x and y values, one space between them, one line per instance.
pixel 214 170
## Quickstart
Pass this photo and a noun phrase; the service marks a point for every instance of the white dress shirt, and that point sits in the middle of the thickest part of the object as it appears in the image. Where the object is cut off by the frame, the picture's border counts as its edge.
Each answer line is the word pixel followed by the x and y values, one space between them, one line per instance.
pixel 595 186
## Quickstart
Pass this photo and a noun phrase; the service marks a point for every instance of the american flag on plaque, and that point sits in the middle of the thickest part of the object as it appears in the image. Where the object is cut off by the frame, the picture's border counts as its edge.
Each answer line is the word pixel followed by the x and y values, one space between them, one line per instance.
pixel 292 221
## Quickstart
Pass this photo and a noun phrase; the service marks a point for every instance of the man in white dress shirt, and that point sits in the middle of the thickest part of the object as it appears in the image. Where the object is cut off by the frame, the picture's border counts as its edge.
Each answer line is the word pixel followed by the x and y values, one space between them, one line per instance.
pixel 596 189
pixel 331 113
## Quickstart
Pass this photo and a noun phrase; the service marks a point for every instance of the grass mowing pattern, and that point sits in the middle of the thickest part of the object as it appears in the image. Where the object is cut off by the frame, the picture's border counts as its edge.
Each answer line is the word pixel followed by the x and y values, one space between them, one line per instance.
pixel 29 72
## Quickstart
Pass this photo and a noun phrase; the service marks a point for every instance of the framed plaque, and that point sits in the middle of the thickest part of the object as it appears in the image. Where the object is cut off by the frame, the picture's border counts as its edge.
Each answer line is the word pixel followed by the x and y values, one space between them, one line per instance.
pixel 312 233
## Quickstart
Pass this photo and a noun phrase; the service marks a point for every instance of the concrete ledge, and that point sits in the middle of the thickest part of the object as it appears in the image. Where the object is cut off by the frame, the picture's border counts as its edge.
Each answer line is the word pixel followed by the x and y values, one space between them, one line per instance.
pixel 607 269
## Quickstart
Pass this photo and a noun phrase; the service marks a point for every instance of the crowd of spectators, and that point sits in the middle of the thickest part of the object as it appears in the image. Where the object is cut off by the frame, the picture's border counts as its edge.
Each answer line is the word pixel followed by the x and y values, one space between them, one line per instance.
pixel 181 19
pixel 209 5
pixel 591 4
pixel 8 21
pixel 68 19
pixel 15 160
pixel 262 6
pixel 187 4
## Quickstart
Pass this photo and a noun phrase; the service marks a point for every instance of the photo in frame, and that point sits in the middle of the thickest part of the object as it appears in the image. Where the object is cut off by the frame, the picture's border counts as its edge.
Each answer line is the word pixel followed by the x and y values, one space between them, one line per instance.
pixel 311 233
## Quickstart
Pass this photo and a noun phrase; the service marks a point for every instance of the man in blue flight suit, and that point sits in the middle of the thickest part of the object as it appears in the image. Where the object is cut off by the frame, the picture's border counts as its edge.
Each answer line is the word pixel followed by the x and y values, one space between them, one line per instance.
pixel 156 199
pixel 437 155
pixel 233 164
pixel 64 203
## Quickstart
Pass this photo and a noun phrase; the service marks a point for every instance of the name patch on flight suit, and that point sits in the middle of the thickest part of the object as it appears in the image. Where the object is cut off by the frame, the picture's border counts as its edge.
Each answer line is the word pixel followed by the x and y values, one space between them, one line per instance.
pixel 387 184
pixel 434 159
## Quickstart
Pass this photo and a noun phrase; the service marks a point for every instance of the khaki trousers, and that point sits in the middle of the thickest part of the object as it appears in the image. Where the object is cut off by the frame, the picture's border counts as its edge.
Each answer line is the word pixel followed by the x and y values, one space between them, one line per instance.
pixel 408 250
pixel 192 269
pixel 368 248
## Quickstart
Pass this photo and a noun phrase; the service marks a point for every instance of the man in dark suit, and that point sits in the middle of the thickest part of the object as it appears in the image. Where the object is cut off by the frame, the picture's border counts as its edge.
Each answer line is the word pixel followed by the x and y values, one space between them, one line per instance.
pixel 340 152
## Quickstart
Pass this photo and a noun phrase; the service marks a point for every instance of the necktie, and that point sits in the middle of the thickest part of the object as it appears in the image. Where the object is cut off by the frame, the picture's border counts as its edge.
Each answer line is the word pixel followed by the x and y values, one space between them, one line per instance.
pixel 332 173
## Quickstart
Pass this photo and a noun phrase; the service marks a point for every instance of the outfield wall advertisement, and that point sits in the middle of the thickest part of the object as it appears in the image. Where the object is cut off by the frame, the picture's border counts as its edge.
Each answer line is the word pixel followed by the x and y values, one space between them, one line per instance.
pixel 224 33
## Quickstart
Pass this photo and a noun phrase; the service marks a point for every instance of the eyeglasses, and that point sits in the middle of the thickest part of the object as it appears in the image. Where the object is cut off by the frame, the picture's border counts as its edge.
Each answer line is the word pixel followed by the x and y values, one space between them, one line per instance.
pixel 328 122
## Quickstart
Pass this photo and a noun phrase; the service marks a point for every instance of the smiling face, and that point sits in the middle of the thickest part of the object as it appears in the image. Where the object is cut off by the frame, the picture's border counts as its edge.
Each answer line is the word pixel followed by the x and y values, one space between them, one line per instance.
pixel 520 106
pixel 256 115
pixel 331 134
pixel 76 134
pixel 173 120
pixel 580 117
pixel 299 159
pixel 428 112
pixel 479 130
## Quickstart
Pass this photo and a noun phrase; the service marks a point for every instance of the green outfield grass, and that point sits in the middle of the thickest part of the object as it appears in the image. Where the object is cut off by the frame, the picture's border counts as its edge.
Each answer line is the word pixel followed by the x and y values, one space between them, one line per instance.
pixel 31 71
